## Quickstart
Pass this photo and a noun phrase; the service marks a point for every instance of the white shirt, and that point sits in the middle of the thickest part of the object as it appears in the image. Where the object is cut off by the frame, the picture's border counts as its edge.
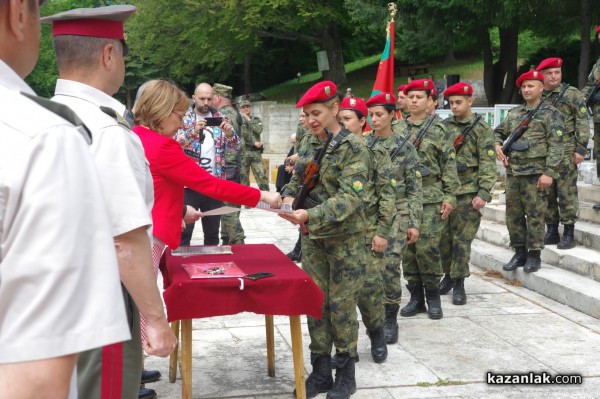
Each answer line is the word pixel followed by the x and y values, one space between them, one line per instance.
pixel 59 282
pixel 207 148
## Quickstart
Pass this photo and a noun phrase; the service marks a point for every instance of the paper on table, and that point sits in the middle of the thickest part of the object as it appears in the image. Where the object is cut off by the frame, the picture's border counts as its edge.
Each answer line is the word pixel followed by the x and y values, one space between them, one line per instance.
pixel 221 211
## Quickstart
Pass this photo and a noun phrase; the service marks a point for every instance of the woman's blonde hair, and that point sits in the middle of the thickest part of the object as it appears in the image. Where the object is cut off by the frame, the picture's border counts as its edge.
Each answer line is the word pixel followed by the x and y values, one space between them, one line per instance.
pixel 158 101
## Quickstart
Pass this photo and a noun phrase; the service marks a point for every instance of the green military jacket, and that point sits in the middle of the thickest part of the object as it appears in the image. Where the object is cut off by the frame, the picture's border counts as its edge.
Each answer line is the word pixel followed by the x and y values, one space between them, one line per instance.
pixel 437 161
pixel 251 130
pixel 232 158
pixel 300 132
pixel 406 179
pixel 577 127
pixel 593 77
pixel 340 188
pixel 476 158
pixel 544 136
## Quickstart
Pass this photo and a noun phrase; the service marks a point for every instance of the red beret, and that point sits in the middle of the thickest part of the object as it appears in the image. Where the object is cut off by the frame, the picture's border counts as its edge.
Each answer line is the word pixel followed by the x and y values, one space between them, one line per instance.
pixel 354 104
pixel 105 22
pixel 381 99
pixel 530 75
pixel 420 84
pixel 598 29
pixel 401 88
pixel 554 62
pixel 459 89
pixel 319 93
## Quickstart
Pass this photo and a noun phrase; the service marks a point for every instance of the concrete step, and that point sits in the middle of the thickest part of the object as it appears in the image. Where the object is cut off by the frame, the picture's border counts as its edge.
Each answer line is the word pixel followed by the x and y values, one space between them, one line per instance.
pixel 578 292
pixel 588 193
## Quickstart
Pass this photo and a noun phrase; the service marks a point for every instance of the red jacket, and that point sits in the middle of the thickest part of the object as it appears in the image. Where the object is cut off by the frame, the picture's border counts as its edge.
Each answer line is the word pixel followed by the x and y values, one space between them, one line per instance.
pixel 171 171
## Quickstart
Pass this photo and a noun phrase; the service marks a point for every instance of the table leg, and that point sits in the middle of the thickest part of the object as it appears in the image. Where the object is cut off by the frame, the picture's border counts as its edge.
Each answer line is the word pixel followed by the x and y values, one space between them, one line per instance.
pixel 296 332
pixel 186 359
pixel 174 354
pixel 270 345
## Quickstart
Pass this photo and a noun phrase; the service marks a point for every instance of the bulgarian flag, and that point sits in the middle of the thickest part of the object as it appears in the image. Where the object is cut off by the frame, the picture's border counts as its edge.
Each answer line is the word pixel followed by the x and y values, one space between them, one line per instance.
pixel 384 82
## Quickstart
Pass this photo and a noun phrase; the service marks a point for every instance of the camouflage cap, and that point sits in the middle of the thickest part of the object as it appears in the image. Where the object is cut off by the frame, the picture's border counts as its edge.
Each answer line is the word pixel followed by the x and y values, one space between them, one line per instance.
pixel 222 90
pixel 244 102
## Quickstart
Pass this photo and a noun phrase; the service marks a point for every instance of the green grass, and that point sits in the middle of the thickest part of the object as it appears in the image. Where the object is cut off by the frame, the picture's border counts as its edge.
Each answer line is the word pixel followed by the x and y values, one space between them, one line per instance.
pixel 440 383
pixel 361 76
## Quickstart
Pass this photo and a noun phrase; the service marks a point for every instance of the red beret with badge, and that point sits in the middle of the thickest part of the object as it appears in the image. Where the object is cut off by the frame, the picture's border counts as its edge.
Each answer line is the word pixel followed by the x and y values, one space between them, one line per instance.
pixel 598 29
pixel 381 99
pixel 319 93
pixel 354 104
pixel 420 85
pixel 553 62
pixel 459 89
pixel 530 75
pixel 401 88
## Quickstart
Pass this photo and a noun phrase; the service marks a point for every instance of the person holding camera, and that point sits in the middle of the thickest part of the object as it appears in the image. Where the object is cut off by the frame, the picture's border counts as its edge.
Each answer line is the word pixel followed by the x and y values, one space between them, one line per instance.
pixel 204 138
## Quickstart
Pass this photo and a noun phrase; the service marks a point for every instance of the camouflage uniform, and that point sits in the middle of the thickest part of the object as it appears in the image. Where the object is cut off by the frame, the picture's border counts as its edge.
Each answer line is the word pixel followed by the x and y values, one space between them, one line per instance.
pixel 589 86
pixel 525 204
pixel 251 156
pixel 437 166
pixel 232 231
pixel 477 157
pixel 333 252
pixel 563 192
pixel 406 181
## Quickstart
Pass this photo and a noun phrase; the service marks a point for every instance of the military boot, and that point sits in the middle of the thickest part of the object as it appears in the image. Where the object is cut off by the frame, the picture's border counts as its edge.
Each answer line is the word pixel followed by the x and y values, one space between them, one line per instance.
pixel 434 304
pixel 568 240
pixel 533 263
pixel 552 236
pixel 334 359
pixel 416 304
pixel 446 284
pixel 390 324
pixel 518 259
pixel 459 297
pixel 295 256
pixel 378 347
pixel 345 380
pixel 320 380
pixel 596 207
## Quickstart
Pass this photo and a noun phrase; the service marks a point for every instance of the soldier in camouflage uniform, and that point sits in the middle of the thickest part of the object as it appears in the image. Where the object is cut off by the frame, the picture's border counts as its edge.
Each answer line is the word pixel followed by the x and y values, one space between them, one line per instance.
pixel 333 251
pixel 563 192
pixel 594 79
pixel 402 102
pixel 232 231
pixel 476 167
pixel 252 127
pixel 531 167
pixel 380 209
pixel 408 198
pixel 437 159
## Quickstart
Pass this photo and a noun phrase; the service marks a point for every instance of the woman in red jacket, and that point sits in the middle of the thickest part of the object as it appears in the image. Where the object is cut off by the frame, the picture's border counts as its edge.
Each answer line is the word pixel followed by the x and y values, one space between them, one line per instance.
pixel 158 116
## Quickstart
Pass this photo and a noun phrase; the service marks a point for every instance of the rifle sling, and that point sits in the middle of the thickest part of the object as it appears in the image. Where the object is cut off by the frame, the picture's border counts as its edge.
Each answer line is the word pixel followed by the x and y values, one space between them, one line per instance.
pixel 468 129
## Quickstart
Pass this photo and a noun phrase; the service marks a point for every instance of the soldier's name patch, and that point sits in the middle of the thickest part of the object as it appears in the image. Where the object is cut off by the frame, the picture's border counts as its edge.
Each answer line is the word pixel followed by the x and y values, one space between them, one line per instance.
pixel 357 186
pixel 491 153
pixel 559 133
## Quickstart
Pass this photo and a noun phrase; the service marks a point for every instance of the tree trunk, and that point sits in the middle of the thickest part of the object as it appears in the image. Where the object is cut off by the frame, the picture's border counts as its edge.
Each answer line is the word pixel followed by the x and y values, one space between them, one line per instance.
pixel 488 67
pixel 248 73
pixel 505 70
pixel 332 44
pixel 584 55
pixel 450 56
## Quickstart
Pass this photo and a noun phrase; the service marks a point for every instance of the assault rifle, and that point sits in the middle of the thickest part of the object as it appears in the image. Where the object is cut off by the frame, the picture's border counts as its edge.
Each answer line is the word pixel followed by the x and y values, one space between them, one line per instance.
pixel 520 130
pixel 397 150
pixel 563 88
pixel 423 130
pixel 592 99
pixel 460 139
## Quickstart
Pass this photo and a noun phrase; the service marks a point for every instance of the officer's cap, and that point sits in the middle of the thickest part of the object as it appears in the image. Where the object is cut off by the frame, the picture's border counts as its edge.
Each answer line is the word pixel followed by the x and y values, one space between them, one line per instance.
pixel 319 93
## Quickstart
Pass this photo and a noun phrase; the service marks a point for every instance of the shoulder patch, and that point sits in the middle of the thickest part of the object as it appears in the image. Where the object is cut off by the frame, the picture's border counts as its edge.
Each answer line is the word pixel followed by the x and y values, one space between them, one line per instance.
pixel 491 153
pixel 559 133
pixel 417 173
pixel 452 155
pixel 583 110
pixel 357 186
pixel 394 182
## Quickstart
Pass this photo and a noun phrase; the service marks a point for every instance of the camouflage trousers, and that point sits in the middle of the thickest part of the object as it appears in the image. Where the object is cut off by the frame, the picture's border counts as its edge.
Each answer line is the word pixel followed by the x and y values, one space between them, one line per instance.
pixel 457 236
pixel 421 261
pixel 562 195
pixel 232 231
pixel 392 268
pixel 254 162
pixel 370 297
pixel 597 147
pixel 525 210
pixel 337 266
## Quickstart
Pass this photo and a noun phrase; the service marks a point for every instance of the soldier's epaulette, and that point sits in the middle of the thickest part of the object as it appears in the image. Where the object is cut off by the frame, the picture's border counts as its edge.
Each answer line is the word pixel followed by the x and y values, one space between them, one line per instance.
pixel 350 138
pixel 116 116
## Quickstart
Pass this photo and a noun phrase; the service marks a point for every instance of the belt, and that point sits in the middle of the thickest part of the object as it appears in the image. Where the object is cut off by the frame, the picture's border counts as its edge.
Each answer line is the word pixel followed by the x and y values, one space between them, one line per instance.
pixel 428 180
pixel 524 161
pixel 470 169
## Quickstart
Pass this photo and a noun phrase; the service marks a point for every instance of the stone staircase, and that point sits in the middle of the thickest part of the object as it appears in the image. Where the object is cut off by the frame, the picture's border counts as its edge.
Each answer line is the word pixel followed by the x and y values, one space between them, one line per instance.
pixel 571 277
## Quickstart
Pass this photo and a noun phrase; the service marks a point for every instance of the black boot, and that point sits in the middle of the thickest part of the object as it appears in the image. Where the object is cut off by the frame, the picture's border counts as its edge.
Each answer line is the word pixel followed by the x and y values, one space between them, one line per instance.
pixel 390 325
pixel 320 380
pixel 434 304
pixel 416 304
pixel 519 259
pixel 568 240
pixel 378 347
pixel 533 263
pixel 295 256
pixel 446 284
pixel 596 207
pixel 334 359
pixel 345 380
pixel 459 297
pixel 552 236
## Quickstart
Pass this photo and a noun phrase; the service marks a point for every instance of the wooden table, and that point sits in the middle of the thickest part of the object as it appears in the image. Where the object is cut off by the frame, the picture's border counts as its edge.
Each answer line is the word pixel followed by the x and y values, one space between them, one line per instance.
pixel 289 292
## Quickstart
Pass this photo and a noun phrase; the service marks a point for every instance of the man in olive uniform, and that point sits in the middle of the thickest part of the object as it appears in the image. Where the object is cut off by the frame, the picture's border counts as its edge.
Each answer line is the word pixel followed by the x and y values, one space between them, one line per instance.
pixel 563 192
pixel 232 231
pixel 422 263
pixel 252 127
pixel 593 80
pixel 531 167
pixel 476 167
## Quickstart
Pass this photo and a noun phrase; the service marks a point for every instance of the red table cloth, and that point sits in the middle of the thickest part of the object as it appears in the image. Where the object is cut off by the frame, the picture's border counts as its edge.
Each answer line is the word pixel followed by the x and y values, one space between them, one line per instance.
pixel 289 292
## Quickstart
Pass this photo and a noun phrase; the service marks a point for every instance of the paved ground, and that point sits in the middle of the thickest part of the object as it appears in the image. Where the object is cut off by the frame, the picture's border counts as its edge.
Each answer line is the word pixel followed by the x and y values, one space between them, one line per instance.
pixel 502 329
